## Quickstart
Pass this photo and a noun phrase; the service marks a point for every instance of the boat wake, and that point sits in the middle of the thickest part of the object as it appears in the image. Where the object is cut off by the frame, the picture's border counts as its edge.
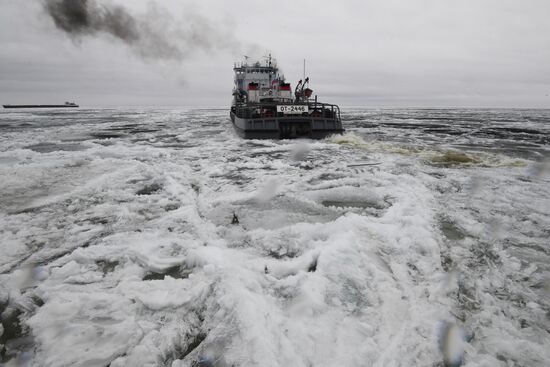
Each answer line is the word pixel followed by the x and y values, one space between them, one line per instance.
pixel 162 242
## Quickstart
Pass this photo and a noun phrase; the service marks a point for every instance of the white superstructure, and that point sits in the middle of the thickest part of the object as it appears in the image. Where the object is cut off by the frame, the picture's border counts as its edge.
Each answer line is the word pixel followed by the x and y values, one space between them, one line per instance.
pixel 258 81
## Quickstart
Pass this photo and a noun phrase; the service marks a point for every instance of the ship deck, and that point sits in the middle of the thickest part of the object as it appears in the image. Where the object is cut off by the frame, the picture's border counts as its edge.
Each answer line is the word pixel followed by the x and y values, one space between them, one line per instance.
pixel 262 121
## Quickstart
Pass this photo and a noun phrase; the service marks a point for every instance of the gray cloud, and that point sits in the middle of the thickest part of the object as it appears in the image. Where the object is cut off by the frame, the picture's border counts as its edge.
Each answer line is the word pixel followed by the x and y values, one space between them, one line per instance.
pixel 428 53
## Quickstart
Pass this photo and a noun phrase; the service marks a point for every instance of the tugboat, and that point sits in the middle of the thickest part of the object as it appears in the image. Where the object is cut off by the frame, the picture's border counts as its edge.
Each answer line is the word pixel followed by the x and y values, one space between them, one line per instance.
pixel 264 107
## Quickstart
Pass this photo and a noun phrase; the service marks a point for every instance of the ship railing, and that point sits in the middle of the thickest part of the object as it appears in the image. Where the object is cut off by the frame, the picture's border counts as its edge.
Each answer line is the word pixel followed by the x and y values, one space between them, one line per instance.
pixel 269 110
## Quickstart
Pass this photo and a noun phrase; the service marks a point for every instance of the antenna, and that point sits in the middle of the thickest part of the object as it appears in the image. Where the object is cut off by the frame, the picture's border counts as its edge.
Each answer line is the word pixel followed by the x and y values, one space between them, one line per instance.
pixel 304 70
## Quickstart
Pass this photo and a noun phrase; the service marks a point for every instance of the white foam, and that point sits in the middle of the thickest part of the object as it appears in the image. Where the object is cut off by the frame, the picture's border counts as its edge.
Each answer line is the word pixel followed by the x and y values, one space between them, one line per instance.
pixel 329 264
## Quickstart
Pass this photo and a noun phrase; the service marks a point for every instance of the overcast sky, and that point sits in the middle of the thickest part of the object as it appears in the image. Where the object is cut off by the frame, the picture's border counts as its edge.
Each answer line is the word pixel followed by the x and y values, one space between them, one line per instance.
pixel 372 53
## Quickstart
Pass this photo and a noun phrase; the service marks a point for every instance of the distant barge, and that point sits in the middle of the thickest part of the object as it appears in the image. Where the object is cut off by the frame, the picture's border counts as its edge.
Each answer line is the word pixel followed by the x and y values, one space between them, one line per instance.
pixel 264 108
pixel 66 105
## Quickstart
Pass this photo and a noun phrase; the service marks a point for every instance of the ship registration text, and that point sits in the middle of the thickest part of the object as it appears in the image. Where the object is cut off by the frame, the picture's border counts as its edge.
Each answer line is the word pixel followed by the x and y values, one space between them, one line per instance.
pixel 292 109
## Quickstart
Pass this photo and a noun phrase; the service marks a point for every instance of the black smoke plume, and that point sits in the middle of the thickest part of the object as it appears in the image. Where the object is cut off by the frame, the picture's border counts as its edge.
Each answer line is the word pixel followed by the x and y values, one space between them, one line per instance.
pixel 154 35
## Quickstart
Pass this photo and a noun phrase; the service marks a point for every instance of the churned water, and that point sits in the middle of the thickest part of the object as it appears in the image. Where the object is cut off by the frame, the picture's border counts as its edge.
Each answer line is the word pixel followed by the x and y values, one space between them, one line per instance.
pixel 158 237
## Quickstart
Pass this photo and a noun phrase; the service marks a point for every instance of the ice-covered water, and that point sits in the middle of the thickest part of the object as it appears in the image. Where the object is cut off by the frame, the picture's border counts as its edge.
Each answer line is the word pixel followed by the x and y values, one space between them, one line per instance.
pixel 143 237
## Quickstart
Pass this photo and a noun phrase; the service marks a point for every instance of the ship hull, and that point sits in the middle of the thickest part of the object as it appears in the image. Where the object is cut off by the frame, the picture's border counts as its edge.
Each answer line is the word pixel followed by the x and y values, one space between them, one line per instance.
pixel 40 106
pixel 288 127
